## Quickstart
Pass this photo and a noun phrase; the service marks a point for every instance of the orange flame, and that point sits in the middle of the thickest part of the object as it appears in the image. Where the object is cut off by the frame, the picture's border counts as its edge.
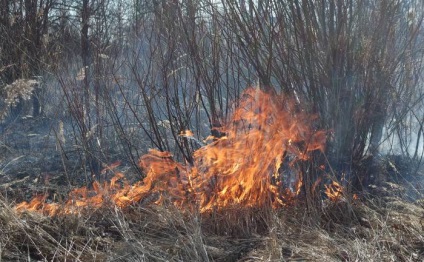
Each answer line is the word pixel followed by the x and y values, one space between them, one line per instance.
pixel 241 168
pixel 334 191
pixel 187 133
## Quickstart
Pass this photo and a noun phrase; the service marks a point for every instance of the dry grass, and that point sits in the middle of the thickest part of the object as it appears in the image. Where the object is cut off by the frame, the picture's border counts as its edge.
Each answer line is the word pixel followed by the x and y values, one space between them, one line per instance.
pixel 384 230
pixel 20 89
pixel 31 236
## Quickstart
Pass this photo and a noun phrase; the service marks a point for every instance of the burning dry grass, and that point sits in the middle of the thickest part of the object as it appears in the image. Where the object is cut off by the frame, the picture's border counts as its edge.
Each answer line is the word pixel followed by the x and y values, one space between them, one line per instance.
pixel 234 204
pixel 31 236
pixel 266 133
pixel 385 230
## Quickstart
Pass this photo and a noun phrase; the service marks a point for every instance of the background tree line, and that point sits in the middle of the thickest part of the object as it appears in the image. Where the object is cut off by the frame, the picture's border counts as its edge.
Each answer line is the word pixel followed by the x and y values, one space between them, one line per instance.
pixel 127 75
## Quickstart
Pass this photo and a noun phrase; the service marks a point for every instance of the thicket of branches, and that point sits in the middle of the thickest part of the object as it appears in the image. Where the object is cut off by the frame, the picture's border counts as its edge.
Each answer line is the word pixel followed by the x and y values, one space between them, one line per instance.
pixel 128 75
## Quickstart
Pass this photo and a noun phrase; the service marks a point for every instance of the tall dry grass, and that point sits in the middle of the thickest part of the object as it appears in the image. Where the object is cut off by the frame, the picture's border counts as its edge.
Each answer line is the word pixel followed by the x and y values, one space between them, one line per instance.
pixel 388 230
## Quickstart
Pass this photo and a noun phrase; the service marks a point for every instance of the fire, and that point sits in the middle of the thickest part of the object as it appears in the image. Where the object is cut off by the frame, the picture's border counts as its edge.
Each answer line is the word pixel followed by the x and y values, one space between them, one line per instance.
pixel 265 134
pixel 334 191
pixel 187 133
